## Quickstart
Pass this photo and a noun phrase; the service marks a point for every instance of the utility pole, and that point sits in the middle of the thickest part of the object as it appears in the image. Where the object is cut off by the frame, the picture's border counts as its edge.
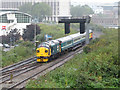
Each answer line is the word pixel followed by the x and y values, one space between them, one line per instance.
pixel 87 30
pixel 35 20
pixel 87 33
pixel 35 35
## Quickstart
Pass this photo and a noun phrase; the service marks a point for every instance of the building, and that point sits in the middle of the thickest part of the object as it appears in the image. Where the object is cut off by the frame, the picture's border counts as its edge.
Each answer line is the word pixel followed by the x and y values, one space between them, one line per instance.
pixel 109 17
pixel 60 8
pixel 12 19
pixel 98 10
pixel 109 22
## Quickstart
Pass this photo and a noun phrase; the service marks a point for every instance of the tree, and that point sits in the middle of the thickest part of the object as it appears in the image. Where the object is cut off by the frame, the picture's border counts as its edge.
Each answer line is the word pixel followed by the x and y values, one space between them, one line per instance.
pixel 29 33
pixel 38 10
pixel 26 8
pixel 78 11
pixel 12 37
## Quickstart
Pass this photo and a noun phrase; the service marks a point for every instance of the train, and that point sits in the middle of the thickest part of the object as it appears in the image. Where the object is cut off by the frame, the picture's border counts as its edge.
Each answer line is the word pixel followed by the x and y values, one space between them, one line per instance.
pixel 54 48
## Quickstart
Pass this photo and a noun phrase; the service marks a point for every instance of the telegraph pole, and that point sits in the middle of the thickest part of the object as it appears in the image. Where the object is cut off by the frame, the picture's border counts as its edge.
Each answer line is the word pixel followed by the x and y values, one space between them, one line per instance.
pixel 35 35
pixel 35 20
pixel 87 30
pixel 87 34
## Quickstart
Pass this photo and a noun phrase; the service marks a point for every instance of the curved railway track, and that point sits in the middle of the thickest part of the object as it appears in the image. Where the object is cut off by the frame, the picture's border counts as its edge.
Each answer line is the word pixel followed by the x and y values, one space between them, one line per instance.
pixel 18 72
pixel 17 69
pixel 43 68
pixel 28 69
pixel 17 65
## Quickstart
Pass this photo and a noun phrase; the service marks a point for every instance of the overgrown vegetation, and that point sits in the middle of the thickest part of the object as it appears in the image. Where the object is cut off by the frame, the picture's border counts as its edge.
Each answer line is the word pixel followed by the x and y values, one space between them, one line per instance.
pixel 56 31
pixel 79 11
pixel 29 32
pixel 96 67
pixel 26 48
pixel 37 10
pixel 12 37
pixel 21 52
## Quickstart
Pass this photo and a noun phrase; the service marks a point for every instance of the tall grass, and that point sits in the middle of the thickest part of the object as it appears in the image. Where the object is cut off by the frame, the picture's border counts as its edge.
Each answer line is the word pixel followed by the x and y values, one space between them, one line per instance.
pixel 23 51
pixel 25 48
pixel 96 69
pixel 56 31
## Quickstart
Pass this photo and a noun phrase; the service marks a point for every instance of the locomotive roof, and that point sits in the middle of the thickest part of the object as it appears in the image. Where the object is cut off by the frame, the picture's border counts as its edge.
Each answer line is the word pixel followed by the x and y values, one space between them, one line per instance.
pixel 52 42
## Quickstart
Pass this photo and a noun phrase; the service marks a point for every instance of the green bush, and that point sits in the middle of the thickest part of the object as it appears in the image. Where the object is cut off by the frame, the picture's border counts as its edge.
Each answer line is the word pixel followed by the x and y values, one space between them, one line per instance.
pixel 56 31
pixel 27 44
pixel 86 49
pixel 97 69
pixel 15 55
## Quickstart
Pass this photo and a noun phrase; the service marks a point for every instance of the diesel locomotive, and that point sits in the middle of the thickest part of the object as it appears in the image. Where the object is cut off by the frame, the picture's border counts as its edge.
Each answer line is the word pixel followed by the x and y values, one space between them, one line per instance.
pixel 54 48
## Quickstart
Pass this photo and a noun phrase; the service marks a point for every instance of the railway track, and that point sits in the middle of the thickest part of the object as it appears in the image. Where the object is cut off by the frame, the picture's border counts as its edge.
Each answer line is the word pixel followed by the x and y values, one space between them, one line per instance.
pixel 36 70
pixel 17 65
pixel 17 69
pixel 18 72
pixel 24 70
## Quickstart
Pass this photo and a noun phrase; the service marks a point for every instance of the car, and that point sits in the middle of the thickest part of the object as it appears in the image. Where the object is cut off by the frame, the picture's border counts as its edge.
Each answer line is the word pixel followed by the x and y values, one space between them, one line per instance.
pixel 6 45
pixel 16 45
pixel 1 45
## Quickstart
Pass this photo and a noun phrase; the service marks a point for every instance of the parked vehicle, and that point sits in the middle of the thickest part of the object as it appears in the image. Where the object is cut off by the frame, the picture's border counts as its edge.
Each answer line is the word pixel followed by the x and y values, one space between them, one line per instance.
pixel 1 45
pixel 6 46
pixel 16 45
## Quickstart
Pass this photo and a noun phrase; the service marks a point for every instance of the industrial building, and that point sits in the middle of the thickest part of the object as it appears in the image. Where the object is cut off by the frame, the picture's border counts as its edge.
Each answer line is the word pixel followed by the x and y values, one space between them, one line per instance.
pixel 60 8
pixel 13 19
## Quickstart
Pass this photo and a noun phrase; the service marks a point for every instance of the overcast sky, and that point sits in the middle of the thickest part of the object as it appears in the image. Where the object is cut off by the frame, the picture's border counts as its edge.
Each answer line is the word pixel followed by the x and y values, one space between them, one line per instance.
pixel 92 1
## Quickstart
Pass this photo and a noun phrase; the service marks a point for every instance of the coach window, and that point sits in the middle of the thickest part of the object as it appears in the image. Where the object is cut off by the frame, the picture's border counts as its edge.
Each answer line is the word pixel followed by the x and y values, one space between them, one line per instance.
pixel 69 42
pixel 0 19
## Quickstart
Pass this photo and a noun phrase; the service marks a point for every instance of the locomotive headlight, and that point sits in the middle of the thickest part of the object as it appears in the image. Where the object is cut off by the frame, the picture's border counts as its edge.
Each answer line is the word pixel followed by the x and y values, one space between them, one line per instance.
pixel 46 51
pixel 38 51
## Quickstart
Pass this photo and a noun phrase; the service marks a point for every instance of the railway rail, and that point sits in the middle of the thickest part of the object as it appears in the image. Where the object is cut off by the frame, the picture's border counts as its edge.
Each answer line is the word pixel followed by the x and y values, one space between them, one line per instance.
pixel 17 69
pixel 32 72
pixel 18 72
pixel 36 70
pixel 17 65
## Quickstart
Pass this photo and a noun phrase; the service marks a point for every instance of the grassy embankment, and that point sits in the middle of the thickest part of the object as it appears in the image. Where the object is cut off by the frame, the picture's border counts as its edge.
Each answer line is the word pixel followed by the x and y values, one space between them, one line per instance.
pixel 96 67
pixel 25 48
pixel 56 31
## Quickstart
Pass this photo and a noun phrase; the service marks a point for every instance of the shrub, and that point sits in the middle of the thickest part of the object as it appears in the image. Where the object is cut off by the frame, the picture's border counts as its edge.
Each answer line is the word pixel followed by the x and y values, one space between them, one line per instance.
pixel 17 54
pixel 86 49
pixel 97 69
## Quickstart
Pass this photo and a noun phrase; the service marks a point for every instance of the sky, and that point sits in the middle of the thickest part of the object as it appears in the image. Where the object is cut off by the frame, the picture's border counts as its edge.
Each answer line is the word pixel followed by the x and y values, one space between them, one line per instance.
pixel 98 1
pixel 93 3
